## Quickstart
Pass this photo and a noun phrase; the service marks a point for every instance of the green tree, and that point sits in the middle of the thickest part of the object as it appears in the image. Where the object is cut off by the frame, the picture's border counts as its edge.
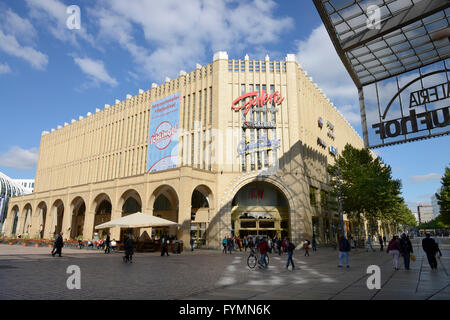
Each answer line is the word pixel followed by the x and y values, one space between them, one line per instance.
pixel 444 197
pixel 366 186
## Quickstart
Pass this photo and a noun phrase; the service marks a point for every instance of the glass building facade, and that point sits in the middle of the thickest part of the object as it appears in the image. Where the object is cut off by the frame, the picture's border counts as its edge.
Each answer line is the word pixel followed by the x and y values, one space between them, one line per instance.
pixel 8 189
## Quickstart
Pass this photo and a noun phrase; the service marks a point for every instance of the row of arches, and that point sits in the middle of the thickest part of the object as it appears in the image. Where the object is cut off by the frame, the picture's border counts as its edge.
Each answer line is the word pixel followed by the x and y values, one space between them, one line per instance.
pixel 47 220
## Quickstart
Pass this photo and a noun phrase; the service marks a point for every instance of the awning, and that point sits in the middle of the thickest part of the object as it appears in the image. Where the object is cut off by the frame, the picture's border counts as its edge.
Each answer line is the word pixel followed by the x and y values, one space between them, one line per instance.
pixel 137 220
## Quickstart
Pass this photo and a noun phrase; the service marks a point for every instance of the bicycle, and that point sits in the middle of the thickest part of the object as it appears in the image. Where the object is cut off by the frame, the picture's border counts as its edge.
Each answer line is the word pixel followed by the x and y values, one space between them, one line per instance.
pixel 254 259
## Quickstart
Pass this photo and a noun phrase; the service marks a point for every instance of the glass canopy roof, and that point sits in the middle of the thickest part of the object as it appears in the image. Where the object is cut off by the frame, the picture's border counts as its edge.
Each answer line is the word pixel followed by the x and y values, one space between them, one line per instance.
pixel 410 34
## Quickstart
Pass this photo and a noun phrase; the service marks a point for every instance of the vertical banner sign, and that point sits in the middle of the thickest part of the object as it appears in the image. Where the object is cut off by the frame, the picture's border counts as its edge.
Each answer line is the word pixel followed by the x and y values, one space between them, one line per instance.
pixel 164 126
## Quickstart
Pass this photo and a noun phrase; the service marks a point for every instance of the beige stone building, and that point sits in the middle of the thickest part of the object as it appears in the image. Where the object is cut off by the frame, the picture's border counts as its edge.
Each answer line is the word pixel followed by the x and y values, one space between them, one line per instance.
pixel 259 169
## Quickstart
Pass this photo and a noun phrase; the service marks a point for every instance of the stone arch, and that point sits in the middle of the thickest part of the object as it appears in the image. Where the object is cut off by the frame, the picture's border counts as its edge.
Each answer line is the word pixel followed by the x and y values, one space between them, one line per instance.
pixel 130 202
pixel 232 190
pixel 103 210
pixel 78 214
pixel 28 214
pixel 41 211
pixel 201 204
pixel 15 213
pixel 57 214
pixel 164 202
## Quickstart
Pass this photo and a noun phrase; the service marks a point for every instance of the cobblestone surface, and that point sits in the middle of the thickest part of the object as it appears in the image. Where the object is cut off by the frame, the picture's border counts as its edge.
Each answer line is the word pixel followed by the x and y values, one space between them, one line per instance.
pixel 32 273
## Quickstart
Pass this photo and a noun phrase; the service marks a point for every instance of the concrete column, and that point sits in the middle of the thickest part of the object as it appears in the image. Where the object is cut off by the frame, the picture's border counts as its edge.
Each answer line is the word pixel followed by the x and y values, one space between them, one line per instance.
pixel 88 228
pixel 115 232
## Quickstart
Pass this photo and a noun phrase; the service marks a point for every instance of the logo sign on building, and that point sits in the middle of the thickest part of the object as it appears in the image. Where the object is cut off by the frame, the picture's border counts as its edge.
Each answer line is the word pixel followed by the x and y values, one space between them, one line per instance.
pixel 257 101
pixel 409 107
pixel 163 133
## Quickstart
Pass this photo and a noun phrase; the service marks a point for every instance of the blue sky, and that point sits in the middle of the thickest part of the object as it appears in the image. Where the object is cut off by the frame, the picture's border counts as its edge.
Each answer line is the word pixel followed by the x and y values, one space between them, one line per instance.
pixel 50 74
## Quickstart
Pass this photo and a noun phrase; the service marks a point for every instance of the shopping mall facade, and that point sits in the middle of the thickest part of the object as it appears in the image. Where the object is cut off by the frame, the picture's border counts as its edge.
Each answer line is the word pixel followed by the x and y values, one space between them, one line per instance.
pixel 235 147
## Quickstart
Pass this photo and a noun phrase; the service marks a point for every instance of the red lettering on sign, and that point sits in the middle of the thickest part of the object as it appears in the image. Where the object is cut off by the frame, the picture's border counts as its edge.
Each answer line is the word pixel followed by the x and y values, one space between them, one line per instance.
pixel 259 101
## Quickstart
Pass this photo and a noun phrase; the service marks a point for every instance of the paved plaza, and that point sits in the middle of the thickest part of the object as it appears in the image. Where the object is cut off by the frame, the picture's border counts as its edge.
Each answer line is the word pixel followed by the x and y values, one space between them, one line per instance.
pixel 32 273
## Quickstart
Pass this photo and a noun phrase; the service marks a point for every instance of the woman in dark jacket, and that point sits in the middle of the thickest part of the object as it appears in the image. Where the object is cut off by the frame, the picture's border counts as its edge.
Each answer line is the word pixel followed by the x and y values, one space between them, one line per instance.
pixel 129 250
pixel 406 249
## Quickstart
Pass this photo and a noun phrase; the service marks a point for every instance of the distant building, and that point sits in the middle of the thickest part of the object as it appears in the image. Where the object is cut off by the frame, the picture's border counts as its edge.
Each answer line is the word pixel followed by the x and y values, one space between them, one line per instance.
pixel 435 205
pixel 425 212
pixel 28 184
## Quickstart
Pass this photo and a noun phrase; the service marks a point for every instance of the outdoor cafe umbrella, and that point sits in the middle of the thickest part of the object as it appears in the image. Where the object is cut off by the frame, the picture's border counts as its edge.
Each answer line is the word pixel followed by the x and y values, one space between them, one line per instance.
pixel 137 220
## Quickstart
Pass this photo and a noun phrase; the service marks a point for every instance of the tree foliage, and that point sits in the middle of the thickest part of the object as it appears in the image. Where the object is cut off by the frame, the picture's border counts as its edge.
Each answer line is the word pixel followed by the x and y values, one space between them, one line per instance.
pixel 444 198
pixel 367 187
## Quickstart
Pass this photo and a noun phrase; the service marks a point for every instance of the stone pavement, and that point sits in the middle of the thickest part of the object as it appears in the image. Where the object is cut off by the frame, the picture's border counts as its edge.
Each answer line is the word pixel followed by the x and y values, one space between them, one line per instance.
pixel 32 273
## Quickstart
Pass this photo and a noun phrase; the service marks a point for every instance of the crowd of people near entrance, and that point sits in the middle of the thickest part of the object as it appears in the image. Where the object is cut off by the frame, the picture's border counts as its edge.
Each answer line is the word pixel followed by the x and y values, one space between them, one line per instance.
pixel 397 246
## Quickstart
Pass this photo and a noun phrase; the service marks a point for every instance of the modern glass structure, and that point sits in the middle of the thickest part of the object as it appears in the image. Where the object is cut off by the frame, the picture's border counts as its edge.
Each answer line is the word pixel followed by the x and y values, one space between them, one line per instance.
pixel 8 189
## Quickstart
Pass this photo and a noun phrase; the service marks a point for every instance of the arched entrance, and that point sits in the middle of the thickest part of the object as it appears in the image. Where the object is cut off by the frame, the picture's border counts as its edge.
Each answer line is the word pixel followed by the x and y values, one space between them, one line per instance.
pixel 42 211
pixel 260 208
pixel 132 203
pixel 57 215
pixel 27 220
pixel 103 209
pixel 200 205
pixel 78 214
pixel 165 206
pixel 15 221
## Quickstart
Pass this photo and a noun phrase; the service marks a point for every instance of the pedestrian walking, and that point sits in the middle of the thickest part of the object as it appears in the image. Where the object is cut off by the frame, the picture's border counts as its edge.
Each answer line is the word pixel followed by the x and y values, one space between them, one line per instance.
pixel 406 249
pixel 380 240
pixel 344 249
pixel 394 250
pixel 314 243
pixel 429 246
pixel 108 244
pixel 164 247
pixel 290 251
pixel 306 247
pixel 59 243
pixel 279 242
pixel 263 249
pixel 230 244
pixel 369 244
pixel 191 242
pixel 384 240
pixel 224 244
pixel 129 249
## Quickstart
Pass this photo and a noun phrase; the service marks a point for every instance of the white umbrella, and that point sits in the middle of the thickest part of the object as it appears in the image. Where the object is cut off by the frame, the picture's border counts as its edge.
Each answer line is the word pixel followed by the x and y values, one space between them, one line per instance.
pixel 137 220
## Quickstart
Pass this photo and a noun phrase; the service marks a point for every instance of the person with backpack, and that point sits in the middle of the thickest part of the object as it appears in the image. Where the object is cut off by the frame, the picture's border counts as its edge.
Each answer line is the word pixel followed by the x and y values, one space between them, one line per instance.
pixel 344 249
pixel 290 251
pixel 406 249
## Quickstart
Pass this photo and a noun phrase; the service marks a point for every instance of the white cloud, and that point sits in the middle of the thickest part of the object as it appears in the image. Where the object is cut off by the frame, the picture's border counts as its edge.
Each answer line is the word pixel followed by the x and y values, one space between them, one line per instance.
pixel 95 69
pixel 180 33
pixel 52 13
pixel 425 178
pixel 4 68
pixel 9 44
pixel 20 159
pixel 318 57
pixel 17 26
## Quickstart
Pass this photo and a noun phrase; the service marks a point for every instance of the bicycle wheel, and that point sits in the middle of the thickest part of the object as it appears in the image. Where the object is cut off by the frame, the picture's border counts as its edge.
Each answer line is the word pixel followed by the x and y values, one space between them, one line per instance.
pixel 251 261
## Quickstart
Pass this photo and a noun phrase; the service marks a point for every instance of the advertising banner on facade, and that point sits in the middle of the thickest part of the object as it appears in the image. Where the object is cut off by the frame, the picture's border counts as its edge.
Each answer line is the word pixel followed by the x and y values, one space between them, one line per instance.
pixel 163 134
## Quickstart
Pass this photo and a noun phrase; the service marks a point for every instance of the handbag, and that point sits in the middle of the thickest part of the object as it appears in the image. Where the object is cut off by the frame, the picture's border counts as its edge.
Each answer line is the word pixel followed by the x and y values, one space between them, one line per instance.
pixel 413 257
